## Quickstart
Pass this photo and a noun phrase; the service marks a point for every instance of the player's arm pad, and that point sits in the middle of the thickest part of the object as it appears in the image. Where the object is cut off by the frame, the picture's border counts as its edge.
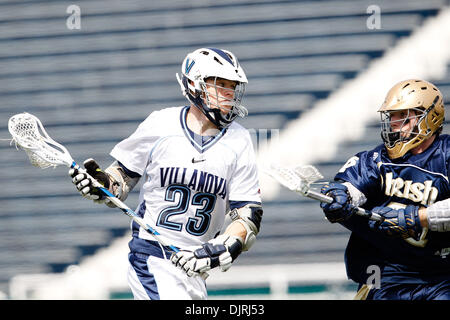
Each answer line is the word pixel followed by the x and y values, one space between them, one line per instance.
pixel 249 216
pixel 121 183
pixel 357 197
pixel 438 216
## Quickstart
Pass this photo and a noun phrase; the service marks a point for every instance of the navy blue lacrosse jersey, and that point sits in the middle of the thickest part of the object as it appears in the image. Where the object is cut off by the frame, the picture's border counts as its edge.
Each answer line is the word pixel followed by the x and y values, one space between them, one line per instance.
pixel 410 180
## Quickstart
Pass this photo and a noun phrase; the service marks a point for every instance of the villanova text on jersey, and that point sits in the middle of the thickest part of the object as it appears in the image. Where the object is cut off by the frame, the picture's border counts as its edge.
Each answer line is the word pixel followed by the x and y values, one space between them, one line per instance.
pixel 200 181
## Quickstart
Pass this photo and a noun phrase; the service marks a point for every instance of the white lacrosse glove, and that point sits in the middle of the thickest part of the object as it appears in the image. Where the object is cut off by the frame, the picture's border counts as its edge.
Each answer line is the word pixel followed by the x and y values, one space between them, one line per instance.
pixel 218 252
pixel 84 183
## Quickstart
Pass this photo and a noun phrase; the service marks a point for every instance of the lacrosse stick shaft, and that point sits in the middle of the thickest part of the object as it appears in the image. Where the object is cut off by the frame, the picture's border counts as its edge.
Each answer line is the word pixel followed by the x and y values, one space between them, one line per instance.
pixel 130 213
pixel 359 211
pixel 125 209
pixel 299 180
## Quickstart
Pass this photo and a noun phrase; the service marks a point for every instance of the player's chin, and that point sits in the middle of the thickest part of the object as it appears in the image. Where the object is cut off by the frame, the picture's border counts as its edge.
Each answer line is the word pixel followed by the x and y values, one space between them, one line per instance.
pixel 225 108
pixel 404 134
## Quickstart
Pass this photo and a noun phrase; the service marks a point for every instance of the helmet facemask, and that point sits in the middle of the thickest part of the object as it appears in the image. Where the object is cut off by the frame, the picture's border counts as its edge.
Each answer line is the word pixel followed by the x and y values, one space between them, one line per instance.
pixel 393 131
pixel 220 104
pixel 414 101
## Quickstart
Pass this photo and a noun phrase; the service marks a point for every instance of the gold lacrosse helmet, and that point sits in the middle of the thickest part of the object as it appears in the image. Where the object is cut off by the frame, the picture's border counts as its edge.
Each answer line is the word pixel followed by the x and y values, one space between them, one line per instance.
pixel 427 102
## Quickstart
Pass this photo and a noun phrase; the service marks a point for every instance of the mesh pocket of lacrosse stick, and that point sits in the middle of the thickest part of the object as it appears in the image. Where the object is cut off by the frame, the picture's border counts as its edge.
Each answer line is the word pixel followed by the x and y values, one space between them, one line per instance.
pixel 296 179
pixel 308 173
pixel 29 134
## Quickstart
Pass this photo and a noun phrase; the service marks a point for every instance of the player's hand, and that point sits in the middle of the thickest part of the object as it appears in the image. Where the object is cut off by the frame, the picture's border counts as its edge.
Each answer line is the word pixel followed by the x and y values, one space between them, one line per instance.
pixel 212 254
pixel 84 183
pixel 340 209
pixel 401 223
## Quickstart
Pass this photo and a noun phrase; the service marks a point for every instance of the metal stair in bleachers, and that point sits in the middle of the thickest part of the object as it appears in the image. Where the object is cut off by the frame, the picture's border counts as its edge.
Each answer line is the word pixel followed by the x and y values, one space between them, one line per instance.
pixel 92 87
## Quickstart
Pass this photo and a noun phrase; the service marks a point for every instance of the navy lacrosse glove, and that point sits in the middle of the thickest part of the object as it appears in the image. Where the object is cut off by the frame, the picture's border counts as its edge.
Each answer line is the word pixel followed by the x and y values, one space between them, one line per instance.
pixel 401 223
pixel 340 209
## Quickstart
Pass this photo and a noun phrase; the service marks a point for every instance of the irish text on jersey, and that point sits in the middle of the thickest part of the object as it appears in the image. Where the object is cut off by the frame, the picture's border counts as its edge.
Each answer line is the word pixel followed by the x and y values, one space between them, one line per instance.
pixel 424 192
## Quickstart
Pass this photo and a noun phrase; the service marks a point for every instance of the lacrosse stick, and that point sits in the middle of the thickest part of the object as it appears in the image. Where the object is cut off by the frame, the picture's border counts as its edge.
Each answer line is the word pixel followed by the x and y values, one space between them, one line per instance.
pixel 29 134
pixel 299 180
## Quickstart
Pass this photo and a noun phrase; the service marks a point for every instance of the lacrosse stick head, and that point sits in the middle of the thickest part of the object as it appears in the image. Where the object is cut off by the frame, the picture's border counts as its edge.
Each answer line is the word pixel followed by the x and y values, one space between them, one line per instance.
pixel 308 173
pixel 296 179
pixel 29 134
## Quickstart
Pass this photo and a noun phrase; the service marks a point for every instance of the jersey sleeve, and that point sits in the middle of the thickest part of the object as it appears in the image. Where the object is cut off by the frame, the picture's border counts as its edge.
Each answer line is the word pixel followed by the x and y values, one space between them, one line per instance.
pixel 446 149
pixel 244 184
pixel 134 151
pixel 362 172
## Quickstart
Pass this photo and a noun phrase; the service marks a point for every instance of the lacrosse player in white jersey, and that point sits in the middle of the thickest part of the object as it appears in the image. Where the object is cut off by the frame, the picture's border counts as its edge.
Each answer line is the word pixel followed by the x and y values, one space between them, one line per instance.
pixel 196 165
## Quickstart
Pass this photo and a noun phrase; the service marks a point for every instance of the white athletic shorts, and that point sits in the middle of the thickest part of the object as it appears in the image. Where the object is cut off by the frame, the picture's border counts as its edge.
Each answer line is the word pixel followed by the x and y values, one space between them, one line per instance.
pixel 155 278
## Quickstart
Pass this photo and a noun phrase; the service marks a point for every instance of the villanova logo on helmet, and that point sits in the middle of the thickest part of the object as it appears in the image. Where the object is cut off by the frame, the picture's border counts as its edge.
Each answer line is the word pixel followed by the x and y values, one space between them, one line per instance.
pixel 189 65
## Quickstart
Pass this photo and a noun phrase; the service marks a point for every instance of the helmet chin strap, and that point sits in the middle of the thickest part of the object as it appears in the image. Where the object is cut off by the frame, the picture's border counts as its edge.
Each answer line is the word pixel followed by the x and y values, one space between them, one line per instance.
pixel 239 110
pixel 215 117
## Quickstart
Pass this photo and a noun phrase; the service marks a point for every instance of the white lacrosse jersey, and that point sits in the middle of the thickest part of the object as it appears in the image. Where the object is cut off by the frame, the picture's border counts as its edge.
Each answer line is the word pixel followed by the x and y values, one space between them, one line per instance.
pixel 187 184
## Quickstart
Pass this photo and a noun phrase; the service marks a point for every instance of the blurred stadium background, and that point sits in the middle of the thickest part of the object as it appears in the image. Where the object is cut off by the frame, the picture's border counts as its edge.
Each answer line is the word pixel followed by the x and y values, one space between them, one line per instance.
pixel 317 74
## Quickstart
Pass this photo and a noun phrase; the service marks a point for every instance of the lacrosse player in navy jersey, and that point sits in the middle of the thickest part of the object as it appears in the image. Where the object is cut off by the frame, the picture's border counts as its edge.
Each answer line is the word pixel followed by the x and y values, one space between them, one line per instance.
pixel 196 164
pixel 406 181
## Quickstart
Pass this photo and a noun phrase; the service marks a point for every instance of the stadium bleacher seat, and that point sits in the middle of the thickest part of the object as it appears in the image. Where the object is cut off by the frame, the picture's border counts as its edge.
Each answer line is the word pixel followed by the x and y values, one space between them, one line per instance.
pixel 92 87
